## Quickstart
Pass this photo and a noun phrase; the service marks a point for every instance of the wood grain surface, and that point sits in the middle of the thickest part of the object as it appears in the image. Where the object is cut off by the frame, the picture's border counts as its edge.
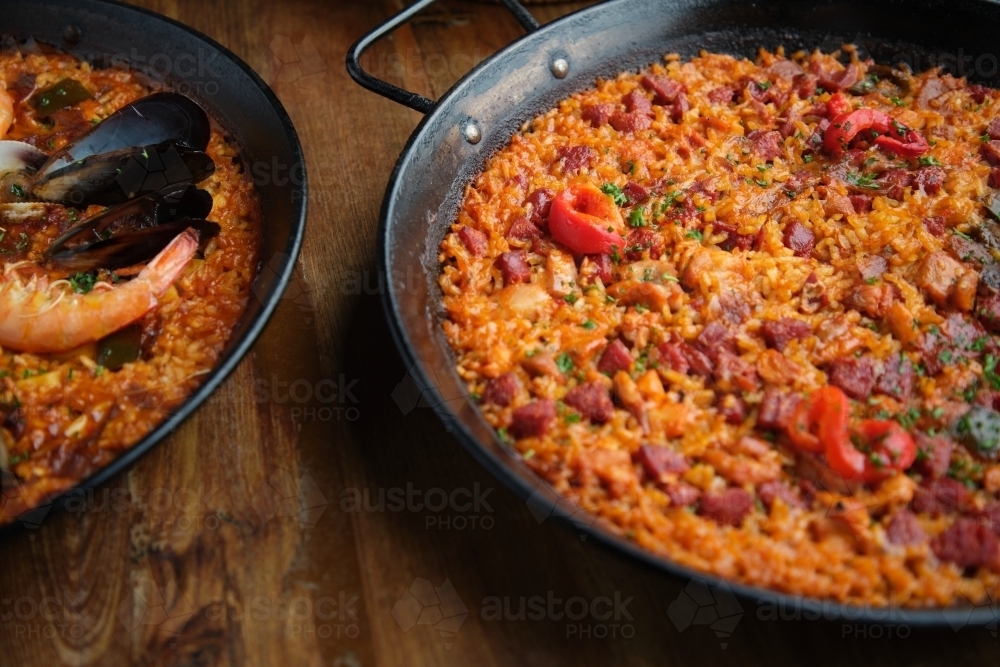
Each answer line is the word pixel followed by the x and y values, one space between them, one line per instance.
pixel 311 513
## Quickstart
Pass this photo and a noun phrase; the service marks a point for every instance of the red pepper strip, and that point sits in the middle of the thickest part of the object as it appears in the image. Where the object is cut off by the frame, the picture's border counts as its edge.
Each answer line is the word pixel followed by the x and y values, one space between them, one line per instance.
pixel 820 424
pixel 838 105
pixel 586 221
pixel 893 136
pixel 892 449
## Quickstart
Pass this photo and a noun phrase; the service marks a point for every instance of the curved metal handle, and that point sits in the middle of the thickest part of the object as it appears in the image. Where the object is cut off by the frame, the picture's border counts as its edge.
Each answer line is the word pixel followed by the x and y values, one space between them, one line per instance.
pixel 395 93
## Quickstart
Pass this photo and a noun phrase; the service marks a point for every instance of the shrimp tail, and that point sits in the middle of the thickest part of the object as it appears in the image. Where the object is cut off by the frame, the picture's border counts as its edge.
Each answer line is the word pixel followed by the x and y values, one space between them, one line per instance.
pixel 167 266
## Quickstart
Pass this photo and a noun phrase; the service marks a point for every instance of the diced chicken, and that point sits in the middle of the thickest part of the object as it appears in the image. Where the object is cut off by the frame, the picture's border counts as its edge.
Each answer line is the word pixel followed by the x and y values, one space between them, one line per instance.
pixel 526 301
pixel 633 292
pixel 560 273
pixel 945 280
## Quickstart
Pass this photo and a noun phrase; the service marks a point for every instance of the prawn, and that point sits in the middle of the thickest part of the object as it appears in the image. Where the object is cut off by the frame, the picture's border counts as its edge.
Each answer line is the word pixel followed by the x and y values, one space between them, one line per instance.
pixel 43 317
pixel 6 112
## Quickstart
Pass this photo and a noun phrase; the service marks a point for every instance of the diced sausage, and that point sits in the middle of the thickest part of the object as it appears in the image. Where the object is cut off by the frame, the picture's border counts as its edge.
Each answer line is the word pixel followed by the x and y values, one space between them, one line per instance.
pixel 592 400
pixel 979 94
pixel 993 129
pixel 765 145
pixel 679 108
pixel 967 543
pixel 805 85
pixel 734 307
pixel 779 333
pixel 630 122
pixel 935 225
pixel 474 240
pixel 682 494
pixel 941 495
pixel 861 203
pixel 659 461
pixel 727 508
pixel 639 240
pixel 575 158
pixel 722 95
pixel 672 356
pixel 715 338
pixel 664 89
pixel 636 193
pixel 768 492
pixel 597 266
pixel 733 409
pixel 994 179
pixel 799 239
pixel 990 151
pixel 523 230
pixel 598 114
pixel 502 390
pixel 838 80
pixel 893 183
pixel 776 409
pixel 785 69
pixel 933 455
pixel 988 312
pixel 733 239
pixel 896 379
pixel 541 202
pixel 513 267
pixel 732 372
pixel 636 102
pixel 904 529
pixel 930 179
pixel 616 357
pixel 855 375
pixel 933 88
pixel 534 419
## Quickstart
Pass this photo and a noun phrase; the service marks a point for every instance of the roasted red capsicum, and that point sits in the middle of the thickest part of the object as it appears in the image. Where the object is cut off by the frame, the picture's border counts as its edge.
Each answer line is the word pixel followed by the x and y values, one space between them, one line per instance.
pixel 587 221
pixel 873 450
pixel 891 134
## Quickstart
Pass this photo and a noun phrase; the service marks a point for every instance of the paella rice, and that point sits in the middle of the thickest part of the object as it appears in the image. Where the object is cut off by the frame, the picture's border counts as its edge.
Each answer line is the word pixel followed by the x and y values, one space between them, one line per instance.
pixel 66 413
pixel 746 312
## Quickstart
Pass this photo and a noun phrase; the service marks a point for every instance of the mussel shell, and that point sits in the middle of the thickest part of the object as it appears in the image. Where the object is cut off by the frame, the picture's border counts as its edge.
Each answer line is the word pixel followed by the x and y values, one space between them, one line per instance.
pixel 156 119
pixel 113 178
pixel 171 203
pixel 19 156
pixel 130 248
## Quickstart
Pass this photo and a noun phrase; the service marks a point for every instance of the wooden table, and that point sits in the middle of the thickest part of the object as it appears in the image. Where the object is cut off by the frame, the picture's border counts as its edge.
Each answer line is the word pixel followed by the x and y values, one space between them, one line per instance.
pixel 255 534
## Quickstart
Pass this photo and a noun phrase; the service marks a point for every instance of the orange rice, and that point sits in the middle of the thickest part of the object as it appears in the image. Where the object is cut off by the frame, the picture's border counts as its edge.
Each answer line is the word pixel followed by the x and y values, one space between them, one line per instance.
pixel 721 210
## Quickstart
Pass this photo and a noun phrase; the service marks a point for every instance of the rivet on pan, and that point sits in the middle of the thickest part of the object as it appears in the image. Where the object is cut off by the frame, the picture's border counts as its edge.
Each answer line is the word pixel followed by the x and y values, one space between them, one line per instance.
pixel 72 34
pixel 472 133
pixel 560 68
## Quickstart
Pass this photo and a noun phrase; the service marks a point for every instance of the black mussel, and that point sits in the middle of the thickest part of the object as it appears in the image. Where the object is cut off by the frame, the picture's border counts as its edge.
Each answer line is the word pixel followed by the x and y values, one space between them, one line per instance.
pixel 112 178
pixel 171 203
pixel 157 119
pixel 129 248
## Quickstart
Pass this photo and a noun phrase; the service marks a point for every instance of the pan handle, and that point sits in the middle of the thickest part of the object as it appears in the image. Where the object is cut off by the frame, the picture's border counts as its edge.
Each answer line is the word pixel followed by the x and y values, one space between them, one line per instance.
pixel 395 93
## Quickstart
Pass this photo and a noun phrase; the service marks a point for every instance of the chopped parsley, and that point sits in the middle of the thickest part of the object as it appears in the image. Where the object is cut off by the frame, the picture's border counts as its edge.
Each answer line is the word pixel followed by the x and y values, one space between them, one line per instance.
pixel 83 282
pixel 763 85
pixel 589 325
pixel 929 161
pixel 807 158
pixel 696 235
pixel 571 298
pixel 564 362
pixel 636 219
pixel 898 102
pixel 17 190
pixel 615 193
pixel 862 180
